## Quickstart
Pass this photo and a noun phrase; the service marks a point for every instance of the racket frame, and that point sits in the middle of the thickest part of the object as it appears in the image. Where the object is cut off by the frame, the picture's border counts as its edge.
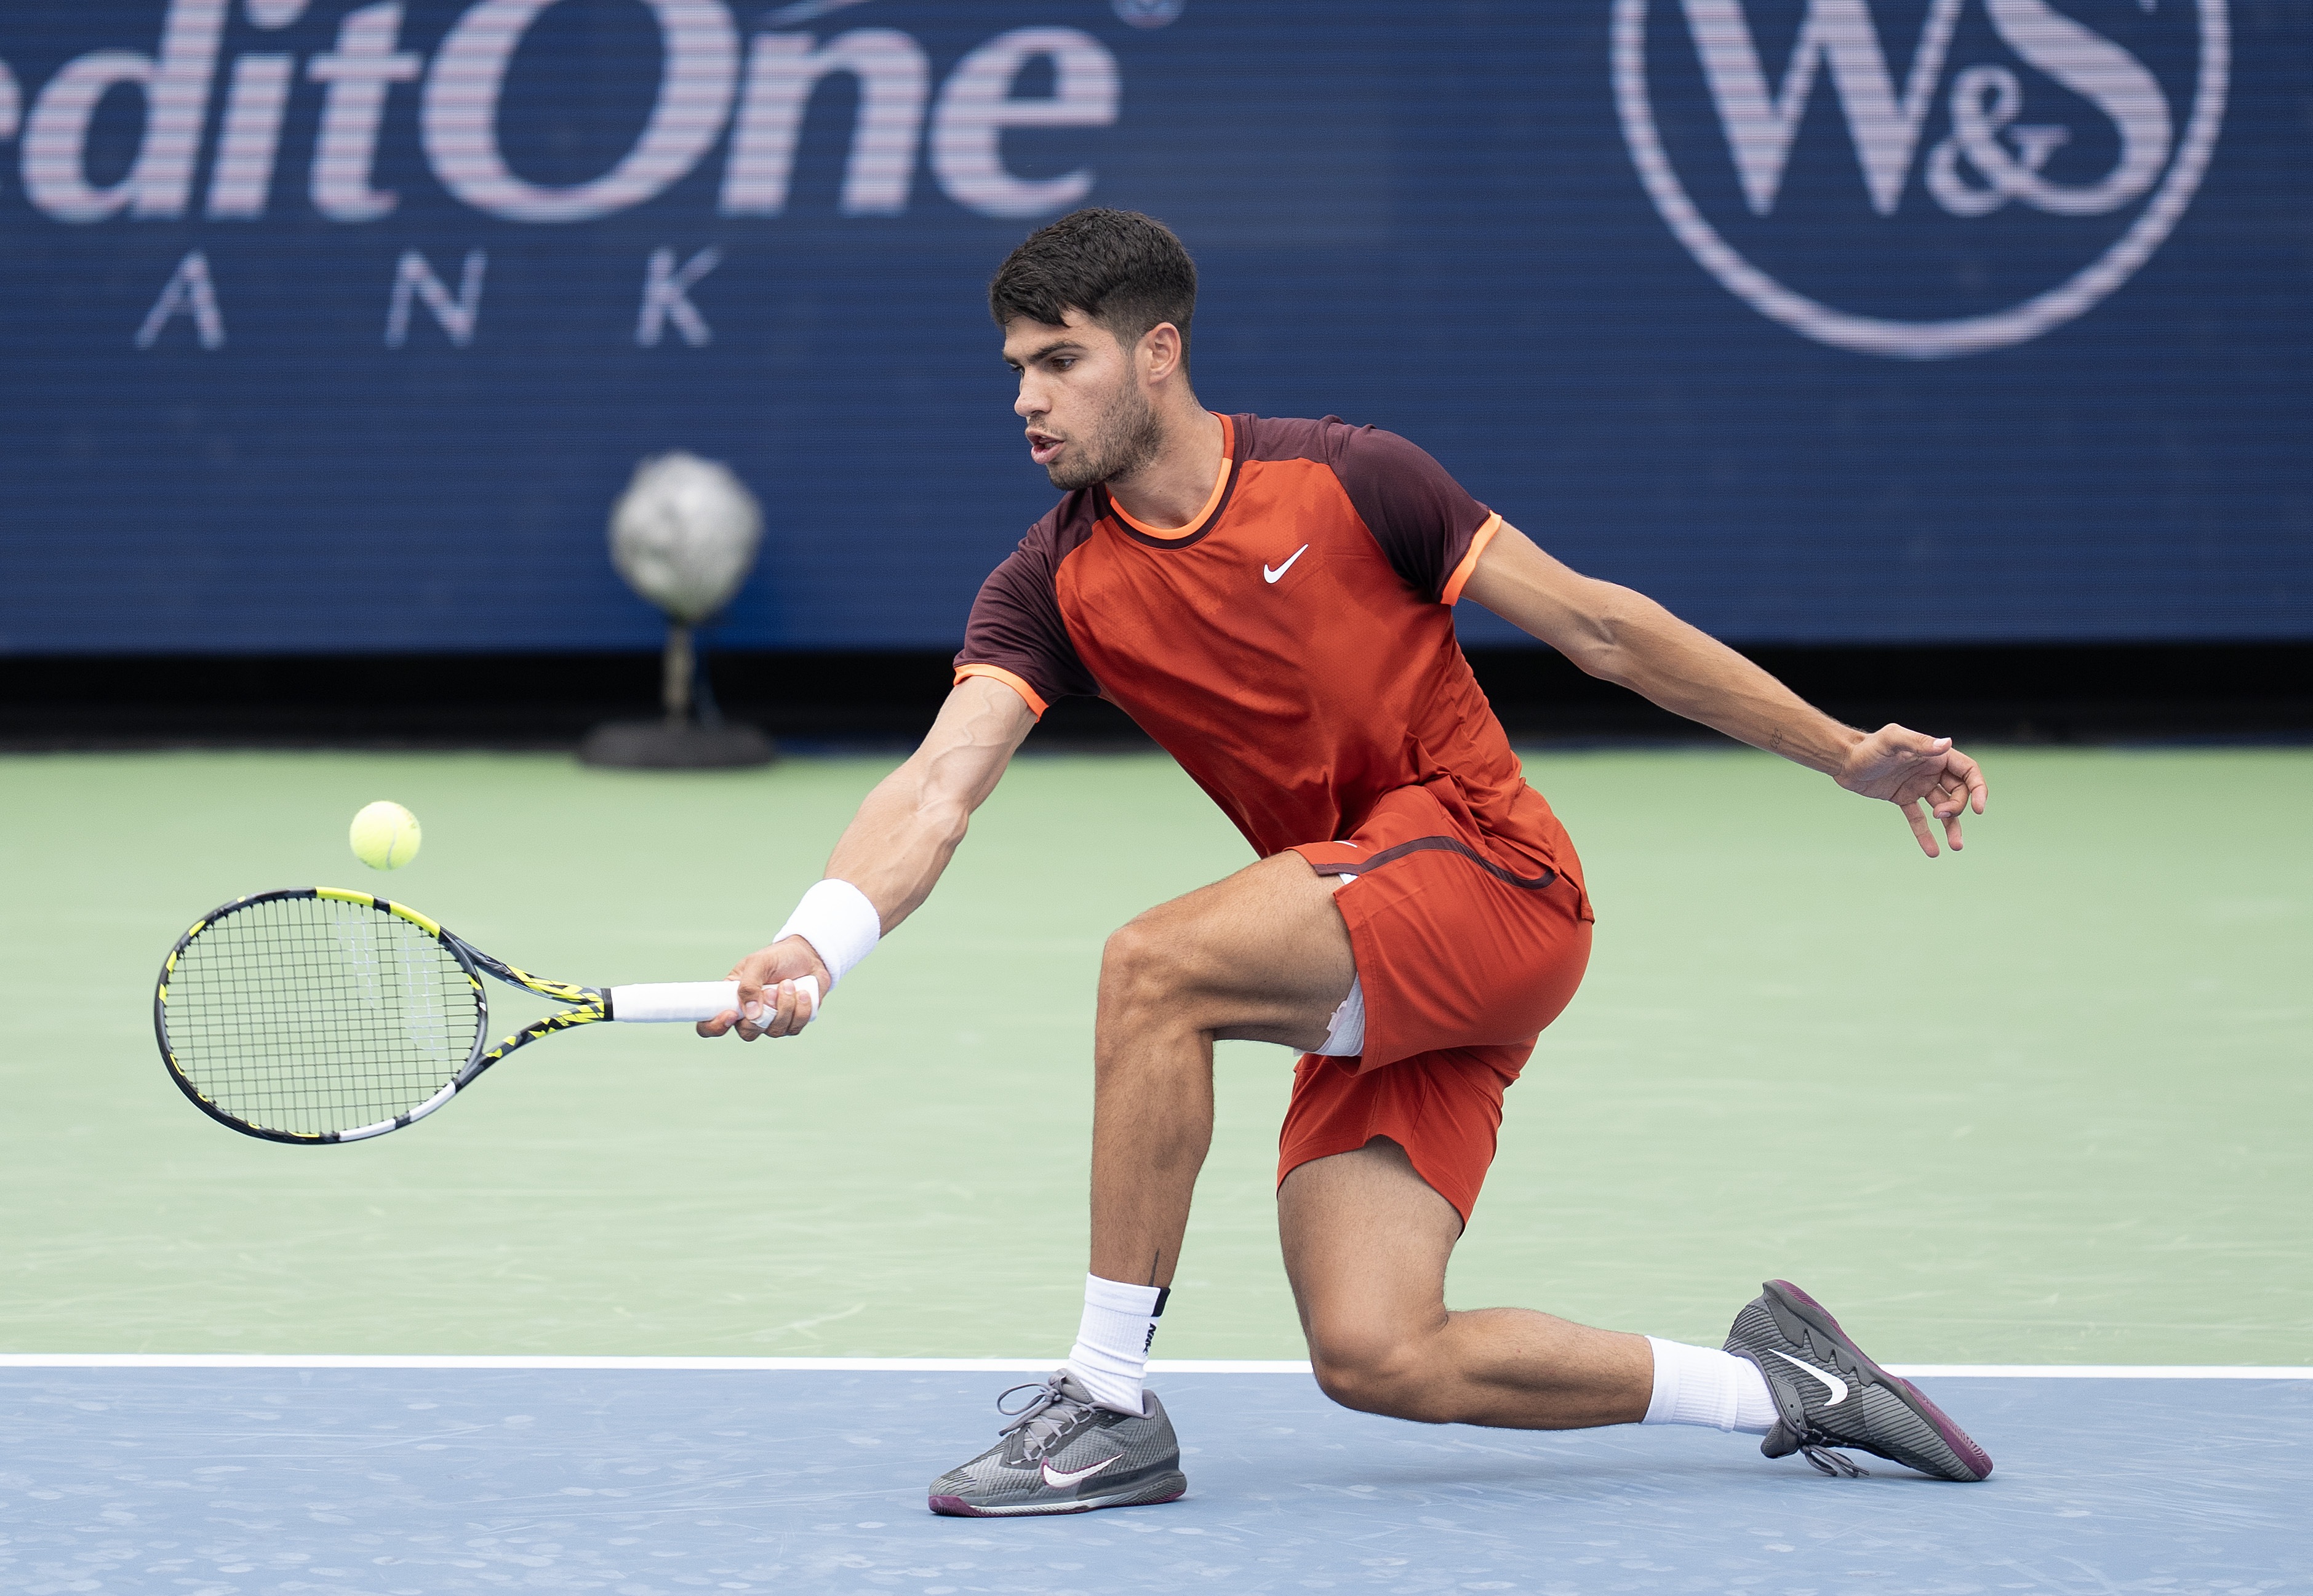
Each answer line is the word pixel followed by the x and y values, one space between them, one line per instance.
pixel 589 1004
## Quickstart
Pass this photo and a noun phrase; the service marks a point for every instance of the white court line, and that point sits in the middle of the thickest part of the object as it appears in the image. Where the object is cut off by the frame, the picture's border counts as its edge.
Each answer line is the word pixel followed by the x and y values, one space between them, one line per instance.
pixel 2102 1371
pixel 324 1360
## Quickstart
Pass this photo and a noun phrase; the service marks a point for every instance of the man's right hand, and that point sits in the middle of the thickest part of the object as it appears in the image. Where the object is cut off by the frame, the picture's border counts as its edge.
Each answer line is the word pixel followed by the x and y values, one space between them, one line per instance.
pixel 770 1003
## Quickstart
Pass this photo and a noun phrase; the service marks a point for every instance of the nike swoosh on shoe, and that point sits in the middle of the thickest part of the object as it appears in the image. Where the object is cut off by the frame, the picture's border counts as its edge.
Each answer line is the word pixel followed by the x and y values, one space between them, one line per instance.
pixel 1832 1383
pixel 1061 1479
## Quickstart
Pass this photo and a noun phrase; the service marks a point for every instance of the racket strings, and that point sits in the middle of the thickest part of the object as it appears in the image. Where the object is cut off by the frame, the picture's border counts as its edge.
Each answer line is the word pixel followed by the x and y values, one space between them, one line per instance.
pixel 309 1015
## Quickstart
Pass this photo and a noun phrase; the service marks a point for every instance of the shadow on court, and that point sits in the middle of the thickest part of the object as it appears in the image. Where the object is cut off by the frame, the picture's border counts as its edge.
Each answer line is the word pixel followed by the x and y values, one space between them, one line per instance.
pixel 201 1482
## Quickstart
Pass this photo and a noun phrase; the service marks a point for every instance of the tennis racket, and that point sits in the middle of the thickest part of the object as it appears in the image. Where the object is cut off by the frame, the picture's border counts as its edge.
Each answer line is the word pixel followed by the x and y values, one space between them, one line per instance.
pixel 318 1014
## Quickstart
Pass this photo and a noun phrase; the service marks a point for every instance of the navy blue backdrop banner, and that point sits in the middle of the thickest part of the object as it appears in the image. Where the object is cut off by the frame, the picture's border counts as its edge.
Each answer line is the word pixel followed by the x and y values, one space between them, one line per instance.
pixel 339 324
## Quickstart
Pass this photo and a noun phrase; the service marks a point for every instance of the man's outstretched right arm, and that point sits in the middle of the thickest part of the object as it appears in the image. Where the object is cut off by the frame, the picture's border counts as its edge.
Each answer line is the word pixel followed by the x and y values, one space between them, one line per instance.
pixel 894 849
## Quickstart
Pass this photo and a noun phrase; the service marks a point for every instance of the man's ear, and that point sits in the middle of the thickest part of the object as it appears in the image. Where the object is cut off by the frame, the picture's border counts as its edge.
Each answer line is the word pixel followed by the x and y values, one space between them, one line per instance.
pixel 1160 351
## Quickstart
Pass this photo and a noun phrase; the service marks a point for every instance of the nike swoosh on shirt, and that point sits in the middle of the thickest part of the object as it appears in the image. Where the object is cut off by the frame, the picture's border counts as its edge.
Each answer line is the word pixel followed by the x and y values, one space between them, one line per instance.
pixel 1269 575
pixel 1831 1383
pixel 1062 1478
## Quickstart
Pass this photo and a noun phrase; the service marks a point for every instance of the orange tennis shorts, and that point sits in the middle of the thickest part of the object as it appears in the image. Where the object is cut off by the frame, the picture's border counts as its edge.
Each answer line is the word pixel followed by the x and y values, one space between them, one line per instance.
pixel 1466 946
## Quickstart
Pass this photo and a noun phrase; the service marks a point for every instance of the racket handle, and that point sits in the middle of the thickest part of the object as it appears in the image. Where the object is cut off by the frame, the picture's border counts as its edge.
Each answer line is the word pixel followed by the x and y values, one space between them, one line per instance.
pixel 662 1002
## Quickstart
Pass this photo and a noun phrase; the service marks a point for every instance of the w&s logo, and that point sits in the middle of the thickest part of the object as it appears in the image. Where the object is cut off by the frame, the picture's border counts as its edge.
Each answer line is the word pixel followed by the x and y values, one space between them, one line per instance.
pixel 1921 178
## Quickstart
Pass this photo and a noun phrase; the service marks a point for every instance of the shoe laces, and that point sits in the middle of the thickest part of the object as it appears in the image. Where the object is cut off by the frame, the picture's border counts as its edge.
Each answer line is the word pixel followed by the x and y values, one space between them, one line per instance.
pixel 1048 1415
pixel 1837 1465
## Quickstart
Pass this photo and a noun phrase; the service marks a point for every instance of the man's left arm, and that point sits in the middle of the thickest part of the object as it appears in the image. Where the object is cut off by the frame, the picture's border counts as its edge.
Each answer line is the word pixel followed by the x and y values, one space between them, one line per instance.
pixel 1627 639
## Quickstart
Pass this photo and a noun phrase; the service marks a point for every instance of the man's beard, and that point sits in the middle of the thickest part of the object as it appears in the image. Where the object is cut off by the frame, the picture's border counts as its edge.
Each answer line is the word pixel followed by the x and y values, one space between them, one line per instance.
pixel 1126 436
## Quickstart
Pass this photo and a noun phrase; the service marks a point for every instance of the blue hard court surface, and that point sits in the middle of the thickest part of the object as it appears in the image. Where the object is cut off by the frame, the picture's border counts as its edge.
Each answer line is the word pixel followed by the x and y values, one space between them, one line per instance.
pixel 201 1482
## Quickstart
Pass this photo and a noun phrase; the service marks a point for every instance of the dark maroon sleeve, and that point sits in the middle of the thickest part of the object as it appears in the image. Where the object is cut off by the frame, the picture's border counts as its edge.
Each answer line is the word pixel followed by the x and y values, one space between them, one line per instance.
pixel 1016 624
pixel 1423 520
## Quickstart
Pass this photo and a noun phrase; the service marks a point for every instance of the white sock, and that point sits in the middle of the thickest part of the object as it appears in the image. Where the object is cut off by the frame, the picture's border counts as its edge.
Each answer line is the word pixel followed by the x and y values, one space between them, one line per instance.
pixel 1696 1385
pixel 1111 1349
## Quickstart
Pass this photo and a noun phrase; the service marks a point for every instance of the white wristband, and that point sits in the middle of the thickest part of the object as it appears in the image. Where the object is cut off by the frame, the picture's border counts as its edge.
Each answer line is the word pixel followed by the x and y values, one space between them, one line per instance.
pixel 839 924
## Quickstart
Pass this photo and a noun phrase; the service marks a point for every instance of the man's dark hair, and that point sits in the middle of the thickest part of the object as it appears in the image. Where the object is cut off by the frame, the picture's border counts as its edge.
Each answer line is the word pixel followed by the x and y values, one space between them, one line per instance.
pixel 1125 270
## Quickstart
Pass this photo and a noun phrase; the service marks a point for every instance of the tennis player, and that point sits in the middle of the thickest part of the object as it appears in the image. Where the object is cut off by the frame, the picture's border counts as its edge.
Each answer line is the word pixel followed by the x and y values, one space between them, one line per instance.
pixel 1272 600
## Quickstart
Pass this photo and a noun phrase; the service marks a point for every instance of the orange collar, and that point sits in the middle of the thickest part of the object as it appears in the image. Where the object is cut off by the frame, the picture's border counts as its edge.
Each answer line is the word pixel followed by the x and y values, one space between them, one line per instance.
pixel 1212 502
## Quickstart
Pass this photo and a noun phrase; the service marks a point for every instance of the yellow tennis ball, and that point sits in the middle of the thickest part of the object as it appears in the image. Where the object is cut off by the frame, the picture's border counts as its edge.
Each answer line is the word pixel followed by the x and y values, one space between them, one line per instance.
pixel 384 836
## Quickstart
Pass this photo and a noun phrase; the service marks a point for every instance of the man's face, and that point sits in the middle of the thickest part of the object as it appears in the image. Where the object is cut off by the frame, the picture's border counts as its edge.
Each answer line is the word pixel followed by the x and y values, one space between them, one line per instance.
pixel 1088 418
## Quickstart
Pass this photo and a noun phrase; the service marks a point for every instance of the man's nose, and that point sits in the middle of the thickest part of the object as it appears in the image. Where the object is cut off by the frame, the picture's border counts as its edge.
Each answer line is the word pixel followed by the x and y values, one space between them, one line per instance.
pixel 1027 404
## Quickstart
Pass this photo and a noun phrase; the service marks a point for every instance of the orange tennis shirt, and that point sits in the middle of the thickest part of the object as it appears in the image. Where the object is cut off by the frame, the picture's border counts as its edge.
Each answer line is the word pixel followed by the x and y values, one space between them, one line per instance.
pixel 1293 648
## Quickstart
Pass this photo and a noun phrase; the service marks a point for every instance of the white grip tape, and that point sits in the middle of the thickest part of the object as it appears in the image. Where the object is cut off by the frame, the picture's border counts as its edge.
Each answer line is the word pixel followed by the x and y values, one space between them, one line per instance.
pixel 655 1002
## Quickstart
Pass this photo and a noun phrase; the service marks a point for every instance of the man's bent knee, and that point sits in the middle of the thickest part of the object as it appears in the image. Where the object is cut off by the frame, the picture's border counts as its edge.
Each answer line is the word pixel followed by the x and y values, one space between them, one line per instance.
pixel 1141 963
pixel 1376 1376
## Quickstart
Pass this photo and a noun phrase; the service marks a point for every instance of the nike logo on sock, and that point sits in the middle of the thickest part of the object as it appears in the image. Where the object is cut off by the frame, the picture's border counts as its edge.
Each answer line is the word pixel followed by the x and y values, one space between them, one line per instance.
pixel 1831 1383
pixel 1061 1479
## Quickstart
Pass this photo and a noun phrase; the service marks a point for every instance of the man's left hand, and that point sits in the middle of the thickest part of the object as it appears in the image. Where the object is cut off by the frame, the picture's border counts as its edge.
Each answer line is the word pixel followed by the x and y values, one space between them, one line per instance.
pixel 1910 770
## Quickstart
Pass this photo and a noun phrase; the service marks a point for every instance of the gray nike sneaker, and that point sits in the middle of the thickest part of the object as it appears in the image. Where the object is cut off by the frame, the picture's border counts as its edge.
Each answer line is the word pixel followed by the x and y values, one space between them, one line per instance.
pixel 1062 1454
pixel 1828 1394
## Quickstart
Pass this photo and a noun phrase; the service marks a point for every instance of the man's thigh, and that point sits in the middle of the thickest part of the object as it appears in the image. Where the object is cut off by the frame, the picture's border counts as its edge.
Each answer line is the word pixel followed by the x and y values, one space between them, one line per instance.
pixel 1261 956
pixel 1365 1243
